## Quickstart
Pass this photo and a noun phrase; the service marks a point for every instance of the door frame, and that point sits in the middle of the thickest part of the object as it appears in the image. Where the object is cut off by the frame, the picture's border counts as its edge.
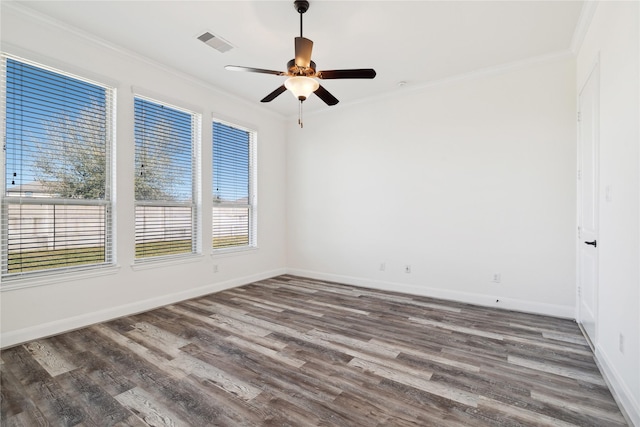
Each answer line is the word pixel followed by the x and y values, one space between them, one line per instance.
pixel 594 72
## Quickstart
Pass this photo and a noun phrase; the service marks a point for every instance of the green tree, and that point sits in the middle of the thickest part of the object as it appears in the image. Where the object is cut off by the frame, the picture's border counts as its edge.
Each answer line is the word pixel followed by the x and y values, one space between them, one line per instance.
pixel 71 161
pixel 154 180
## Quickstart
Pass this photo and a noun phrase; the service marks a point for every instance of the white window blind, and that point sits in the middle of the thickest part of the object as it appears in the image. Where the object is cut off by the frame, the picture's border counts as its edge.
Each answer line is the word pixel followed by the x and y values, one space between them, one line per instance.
pixel 56 201
pixel 165 181
pixel 234 198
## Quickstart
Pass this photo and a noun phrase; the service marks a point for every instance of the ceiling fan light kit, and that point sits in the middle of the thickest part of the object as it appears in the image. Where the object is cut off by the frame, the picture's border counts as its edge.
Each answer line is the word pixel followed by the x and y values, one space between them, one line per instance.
pixel 301 86
pixel 302 71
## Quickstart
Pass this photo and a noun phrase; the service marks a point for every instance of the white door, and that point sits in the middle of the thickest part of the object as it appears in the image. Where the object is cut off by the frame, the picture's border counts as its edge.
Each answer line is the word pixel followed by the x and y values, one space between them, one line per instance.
pixel 588 116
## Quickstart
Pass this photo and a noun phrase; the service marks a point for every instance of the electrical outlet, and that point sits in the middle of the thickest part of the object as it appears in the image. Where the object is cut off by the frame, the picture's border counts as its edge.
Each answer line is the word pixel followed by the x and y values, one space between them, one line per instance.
pixel 215 268
pixel 383 267
pixel 496 278
pixel 621 343
pixel 608 193
pixel 407 268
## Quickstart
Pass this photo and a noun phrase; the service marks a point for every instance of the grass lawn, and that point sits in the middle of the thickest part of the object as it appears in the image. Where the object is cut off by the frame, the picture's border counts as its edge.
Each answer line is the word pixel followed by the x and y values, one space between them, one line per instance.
pixel 230 241
pixel 159 248
pixel 19 262
pixel 42 260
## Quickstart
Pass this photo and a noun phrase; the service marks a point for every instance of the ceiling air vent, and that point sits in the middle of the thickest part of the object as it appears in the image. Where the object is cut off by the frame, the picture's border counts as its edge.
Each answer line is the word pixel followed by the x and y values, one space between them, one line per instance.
pixel 218 43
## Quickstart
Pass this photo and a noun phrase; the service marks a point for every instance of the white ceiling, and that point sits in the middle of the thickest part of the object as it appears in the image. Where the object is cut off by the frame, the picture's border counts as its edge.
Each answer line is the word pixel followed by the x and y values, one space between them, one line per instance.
pixel 413 41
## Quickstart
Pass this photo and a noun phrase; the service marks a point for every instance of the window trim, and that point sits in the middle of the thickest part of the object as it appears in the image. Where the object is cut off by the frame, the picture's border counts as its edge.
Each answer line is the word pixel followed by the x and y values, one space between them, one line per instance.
pixel 252 200
pixel 11 281
pixel 196 183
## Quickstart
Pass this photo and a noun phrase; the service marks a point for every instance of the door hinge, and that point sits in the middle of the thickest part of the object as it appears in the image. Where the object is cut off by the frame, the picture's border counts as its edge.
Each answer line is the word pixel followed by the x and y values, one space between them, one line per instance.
pixel 579 116
pixel 579 174
pixel 579 233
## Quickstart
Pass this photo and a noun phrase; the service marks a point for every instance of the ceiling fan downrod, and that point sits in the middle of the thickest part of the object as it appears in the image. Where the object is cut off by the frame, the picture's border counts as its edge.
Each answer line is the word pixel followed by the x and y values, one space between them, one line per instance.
pixel 301 6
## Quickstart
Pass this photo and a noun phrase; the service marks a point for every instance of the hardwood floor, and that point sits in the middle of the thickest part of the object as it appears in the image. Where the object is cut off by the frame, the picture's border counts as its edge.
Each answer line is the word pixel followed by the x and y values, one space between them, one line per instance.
pixel 290 351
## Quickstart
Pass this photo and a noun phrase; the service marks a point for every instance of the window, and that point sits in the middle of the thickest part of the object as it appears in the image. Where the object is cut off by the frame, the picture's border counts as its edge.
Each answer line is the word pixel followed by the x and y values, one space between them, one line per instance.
pixel 234 210
pixel 56 197
pixel 166 141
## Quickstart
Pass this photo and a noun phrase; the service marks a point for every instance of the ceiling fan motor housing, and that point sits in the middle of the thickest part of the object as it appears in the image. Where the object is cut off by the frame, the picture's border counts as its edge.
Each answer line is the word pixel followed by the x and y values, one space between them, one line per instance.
pixel 295 70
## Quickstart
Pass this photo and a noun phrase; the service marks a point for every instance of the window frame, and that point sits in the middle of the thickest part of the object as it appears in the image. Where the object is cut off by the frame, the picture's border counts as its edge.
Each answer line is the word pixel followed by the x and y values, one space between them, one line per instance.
pixel 17 279
pixel 194 204
pixel 252 197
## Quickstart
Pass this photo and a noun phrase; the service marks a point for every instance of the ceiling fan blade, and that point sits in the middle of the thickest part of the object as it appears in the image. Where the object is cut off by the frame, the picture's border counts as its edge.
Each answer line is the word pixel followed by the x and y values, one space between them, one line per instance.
pixel 304 47
pixel 359 73
pixel 273 95
pixel 254 70
pixel 326 96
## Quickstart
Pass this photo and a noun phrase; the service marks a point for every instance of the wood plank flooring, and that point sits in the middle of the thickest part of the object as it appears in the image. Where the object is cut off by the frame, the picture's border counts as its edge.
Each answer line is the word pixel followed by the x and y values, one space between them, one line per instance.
pixel 290 351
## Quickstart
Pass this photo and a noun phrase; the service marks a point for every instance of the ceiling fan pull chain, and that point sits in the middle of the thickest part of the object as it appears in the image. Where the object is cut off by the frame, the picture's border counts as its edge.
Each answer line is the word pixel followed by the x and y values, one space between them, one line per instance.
pixel 300 115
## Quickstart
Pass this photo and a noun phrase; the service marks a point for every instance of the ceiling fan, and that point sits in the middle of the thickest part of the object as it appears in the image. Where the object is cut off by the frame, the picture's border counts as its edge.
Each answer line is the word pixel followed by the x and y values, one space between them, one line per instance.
pixel 302 71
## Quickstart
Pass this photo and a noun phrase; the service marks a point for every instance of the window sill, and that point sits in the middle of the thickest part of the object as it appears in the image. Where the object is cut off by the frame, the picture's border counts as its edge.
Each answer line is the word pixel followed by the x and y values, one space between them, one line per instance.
pixel 44 279
pixel 151 263
pixel 219 253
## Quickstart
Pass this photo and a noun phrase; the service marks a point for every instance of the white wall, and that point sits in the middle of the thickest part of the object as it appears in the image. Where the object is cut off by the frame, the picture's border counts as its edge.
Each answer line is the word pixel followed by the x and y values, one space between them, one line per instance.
pixel 614 36
pixel 460 181
pixel 75 301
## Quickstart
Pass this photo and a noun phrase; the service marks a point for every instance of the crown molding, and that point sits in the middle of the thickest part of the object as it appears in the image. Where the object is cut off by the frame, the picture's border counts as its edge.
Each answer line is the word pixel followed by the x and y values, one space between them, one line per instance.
pixel 471 75
pixel 20 8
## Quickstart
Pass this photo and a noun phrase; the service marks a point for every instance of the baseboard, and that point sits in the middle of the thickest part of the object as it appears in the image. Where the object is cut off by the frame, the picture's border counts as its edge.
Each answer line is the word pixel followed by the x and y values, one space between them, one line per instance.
pixel 567 312
pixel 630 407
pixel 12 338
